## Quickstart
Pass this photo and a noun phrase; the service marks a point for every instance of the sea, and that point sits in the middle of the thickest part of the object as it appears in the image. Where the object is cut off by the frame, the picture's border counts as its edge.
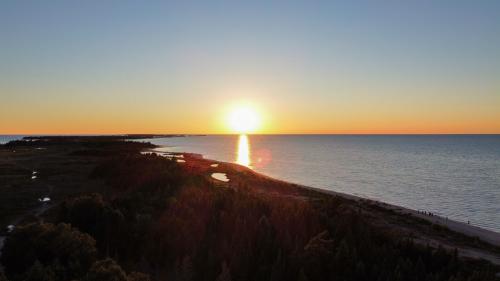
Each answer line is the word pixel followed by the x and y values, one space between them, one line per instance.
pixel 6 138
pixel 454 176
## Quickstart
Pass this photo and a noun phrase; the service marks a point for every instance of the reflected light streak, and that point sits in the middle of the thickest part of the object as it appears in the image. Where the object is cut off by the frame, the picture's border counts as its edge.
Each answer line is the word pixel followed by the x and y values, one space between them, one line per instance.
pixel 243 152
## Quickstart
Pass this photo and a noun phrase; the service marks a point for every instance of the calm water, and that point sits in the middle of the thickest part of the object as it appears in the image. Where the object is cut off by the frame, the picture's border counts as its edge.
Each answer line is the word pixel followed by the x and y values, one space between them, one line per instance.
pixel 453 176
pixel 6 138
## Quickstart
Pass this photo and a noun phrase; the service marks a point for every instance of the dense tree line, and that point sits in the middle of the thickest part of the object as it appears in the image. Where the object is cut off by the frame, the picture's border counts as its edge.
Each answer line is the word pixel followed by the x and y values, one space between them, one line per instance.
pixel 160 219
pixel 47 252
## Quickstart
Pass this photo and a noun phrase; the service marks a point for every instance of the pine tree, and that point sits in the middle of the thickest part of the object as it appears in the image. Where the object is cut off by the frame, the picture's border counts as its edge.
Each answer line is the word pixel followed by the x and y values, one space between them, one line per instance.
pixel 302 276
pixel 187 272
pixel 225 274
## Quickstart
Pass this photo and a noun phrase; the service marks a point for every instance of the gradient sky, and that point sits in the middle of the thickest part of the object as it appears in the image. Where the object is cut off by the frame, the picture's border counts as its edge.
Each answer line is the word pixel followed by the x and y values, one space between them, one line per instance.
pixel 307 66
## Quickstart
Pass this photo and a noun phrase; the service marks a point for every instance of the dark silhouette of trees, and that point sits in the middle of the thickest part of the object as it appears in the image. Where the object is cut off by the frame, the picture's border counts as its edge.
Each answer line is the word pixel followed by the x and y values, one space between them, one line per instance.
pixel 106 270
pixel 92 215
pixel 109 270
pixel 225 274
pixel 2 276
pixel 51 252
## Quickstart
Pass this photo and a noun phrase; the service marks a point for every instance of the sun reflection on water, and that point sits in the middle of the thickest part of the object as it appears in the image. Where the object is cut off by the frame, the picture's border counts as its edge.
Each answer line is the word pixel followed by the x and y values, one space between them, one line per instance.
pixel 243 152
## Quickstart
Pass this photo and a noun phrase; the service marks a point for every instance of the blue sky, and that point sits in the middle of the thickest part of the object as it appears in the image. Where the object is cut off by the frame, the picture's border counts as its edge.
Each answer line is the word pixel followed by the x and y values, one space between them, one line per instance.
pixel 342 64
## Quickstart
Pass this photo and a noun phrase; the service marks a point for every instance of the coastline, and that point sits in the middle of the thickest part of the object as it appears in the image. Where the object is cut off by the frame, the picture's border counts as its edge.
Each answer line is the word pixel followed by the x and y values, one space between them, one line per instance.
pixel 471 231
pixel 437 174
pixel 486 235
pixel 65 169
pixel 457 232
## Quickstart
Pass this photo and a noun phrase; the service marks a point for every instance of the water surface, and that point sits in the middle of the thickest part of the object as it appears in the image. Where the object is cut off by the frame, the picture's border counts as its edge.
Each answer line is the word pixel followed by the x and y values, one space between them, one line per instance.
pixel 6 138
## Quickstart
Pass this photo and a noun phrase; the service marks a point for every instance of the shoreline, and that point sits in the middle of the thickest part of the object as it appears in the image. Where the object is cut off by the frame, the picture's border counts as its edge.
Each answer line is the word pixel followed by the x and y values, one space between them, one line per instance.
pixel 484 234
pixel 470 231
pixel 67 169
pixel 471 241
pixel 423 175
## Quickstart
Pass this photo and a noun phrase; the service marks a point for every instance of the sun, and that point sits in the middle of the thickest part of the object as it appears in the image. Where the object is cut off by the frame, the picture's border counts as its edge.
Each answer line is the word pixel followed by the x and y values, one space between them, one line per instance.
pixel 243 119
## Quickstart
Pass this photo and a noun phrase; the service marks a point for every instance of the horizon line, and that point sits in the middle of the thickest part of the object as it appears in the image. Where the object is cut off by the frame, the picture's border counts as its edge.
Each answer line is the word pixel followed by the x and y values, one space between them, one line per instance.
pixel 257 134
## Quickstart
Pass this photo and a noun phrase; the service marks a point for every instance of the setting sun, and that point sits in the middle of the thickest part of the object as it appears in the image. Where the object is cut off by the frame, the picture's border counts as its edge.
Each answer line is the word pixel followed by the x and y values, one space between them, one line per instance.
pixel 243 119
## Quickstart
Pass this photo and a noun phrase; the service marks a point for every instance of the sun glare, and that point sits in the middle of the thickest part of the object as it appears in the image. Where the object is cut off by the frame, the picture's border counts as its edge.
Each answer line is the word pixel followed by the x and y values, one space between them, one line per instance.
pixel 243 120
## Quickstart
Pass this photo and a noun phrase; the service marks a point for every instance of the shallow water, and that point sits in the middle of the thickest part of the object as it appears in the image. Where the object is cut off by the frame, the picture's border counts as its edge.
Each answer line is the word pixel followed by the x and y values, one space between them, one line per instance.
pixel 455 176
pixel 220 176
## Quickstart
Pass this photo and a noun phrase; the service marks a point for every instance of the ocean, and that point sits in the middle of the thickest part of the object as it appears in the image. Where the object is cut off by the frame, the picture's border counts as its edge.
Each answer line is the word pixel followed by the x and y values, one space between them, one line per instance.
pixel 6 138
pixel 455 176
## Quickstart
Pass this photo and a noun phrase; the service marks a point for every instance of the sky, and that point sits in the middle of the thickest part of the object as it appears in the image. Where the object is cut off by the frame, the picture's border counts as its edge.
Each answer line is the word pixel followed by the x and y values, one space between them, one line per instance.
pixel 318 67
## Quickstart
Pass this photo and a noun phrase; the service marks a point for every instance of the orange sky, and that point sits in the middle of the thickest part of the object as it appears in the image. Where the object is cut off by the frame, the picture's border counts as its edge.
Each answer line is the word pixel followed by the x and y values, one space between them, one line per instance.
pixel 211 117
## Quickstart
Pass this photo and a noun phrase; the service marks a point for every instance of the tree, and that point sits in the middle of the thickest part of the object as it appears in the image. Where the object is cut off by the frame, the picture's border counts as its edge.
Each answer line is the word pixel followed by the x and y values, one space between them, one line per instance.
pixel 44 247
pixel 106 270
pixel 302 276
pixel 187 272
pixel 225 274
pixel 138 276
pixel 39 272
pixel 2 276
